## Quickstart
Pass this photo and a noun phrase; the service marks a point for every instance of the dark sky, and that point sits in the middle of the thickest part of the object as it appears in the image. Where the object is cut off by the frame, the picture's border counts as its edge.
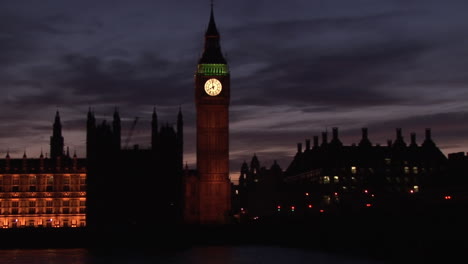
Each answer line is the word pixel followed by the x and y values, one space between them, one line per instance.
pixel 298 68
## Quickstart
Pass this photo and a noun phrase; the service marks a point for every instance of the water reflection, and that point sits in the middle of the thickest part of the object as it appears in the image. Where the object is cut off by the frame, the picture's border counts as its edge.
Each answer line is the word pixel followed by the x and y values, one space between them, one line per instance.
pixel 194 255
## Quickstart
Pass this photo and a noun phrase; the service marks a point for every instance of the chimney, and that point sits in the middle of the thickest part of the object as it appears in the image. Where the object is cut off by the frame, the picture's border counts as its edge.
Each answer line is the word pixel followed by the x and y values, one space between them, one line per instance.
pixel 307 144
pixel 398 133
pixel 428 134
pixel 299 147
pixel 316 141
pixel 413 139
pixel 364 133
pixel 324 138
pixel 335 133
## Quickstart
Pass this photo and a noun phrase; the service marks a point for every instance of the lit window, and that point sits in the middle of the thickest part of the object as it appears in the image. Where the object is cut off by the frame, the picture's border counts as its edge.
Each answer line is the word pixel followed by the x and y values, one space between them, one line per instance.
pixel 237 191
pixel 336 179
pixel 388 161
pixel 415 170
pixel 326 179
pixel 416 188
pixel 353 170
pixel 406 170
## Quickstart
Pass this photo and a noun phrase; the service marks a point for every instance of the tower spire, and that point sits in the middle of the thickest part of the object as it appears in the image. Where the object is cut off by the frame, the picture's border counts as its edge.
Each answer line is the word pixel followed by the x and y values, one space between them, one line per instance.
pixel 56 140
pixel 212 52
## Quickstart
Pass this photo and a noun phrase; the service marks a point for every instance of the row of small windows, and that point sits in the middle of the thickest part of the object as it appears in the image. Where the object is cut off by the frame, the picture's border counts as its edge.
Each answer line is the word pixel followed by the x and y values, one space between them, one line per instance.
pixel 41 203
pixel 336 179
pixel 50 180
pixel 406 170
pixel 47 211
pixel 14 223
pixel 48 188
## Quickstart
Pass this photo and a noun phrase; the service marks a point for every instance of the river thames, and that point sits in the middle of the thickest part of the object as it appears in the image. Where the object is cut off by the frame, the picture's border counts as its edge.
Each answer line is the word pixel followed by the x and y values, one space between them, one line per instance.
pixel 194 255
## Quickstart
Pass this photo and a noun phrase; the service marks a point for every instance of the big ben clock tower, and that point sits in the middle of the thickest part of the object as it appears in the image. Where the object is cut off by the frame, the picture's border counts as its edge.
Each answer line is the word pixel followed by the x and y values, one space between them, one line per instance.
pixel 212 90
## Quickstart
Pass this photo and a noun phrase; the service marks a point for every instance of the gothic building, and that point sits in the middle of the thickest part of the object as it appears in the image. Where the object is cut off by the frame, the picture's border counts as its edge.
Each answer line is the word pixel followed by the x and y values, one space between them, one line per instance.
pixel 259 190
pixel 208 191
pixel 44 191
pixel 329 176
pixel 133 187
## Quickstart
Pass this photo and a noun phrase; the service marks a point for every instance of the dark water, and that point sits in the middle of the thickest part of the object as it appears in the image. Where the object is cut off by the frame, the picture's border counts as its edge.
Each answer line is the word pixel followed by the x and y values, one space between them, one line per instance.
pixel 193 255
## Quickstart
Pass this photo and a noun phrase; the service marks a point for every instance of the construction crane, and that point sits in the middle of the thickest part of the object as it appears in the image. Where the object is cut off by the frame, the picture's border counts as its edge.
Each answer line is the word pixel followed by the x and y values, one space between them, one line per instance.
pixel 130 132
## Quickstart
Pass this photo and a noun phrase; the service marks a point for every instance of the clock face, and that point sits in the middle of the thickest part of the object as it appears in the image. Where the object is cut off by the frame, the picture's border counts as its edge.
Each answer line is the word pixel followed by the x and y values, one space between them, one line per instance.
pixel 213 87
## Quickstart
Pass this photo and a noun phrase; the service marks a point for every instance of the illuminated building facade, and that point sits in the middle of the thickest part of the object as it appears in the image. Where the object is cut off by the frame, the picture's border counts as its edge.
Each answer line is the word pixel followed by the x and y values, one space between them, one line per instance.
pixel 45 191
pixel 208 192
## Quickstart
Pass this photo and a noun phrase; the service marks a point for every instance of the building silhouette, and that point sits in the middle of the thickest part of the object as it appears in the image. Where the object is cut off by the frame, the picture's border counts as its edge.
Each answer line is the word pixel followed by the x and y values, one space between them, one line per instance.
pixel 329 177
pixel 259 190
pixel 133 187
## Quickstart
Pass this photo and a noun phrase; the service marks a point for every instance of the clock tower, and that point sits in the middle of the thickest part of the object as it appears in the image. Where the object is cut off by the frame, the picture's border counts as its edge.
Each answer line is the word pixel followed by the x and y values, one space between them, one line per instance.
pixel 212 89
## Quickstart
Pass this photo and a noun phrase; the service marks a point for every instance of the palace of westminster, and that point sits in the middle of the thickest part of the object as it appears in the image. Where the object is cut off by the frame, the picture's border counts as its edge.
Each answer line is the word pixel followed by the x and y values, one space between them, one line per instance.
pixel 115 187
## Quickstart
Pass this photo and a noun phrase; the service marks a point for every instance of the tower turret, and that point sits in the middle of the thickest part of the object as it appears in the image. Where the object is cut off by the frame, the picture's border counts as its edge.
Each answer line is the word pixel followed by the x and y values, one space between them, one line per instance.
pixel 154 130
pixel 90 134
pixel 116 130
pixel 56 140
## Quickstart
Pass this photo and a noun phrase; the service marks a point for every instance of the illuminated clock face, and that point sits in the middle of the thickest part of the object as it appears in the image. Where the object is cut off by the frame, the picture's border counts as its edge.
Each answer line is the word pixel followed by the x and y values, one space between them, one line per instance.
pixel 213 87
